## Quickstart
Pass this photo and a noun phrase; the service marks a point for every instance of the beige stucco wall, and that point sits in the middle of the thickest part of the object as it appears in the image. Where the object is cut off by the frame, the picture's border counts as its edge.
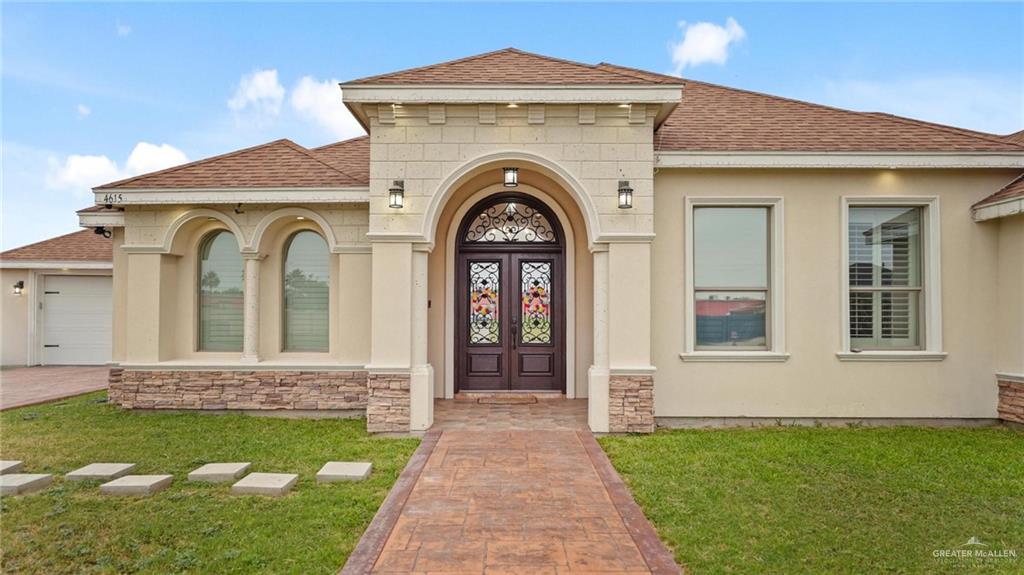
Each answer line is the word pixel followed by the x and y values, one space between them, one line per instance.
pixel 1010 334
pixel 14 318
pixel 158 290
pixel 813 382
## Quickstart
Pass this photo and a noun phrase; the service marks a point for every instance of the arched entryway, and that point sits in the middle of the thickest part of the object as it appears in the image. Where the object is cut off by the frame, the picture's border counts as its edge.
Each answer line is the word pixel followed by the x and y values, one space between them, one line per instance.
pixel 510 308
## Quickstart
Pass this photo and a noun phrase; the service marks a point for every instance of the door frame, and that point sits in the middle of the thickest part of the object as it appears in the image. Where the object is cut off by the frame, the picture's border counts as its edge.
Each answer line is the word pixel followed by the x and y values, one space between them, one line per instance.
pixel 569 261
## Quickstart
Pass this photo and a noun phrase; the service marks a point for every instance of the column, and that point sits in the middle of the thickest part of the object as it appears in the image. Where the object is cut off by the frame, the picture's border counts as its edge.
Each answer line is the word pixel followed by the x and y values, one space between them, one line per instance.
pixel 251 309
pixel 421 384
pixel 391 320
pixel 631 375
pixel 597 401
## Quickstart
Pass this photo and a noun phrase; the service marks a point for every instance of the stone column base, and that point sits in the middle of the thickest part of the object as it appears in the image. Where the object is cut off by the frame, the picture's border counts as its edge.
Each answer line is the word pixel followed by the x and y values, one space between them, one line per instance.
pixel 387 406
pixel 1011 401
pixel 631 403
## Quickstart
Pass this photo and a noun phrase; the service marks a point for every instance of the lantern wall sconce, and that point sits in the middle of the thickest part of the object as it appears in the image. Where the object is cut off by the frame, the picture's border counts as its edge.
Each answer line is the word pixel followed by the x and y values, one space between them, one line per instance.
pixel 625 195
pixel 19 286
pixel 396 194
pixel 511 177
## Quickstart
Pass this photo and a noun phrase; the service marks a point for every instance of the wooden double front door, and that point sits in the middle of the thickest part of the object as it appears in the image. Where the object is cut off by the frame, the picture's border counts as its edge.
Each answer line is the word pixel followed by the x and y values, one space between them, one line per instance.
pixel 510 308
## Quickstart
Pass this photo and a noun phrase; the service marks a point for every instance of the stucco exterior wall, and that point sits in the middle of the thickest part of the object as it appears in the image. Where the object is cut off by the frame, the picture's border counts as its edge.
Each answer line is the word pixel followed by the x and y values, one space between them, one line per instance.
pixel 813 382
pixel 1010 357
pixel 14 318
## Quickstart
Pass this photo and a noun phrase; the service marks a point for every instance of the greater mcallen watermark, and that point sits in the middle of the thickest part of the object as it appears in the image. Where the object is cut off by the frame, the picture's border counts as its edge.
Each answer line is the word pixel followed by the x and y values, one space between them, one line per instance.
pixel 974 551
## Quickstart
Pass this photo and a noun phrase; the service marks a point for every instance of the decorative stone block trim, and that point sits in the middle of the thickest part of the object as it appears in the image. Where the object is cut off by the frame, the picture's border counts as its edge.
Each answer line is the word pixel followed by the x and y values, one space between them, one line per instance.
pixel 387 407
pixel 228 389
pixel 1011 401
pixel 631 403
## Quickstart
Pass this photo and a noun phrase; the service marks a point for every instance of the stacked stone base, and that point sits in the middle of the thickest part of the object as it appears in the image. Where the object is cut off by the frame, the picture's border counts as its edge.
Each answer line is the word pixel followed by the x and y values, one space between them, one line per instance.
pixel 1011 401
pixel 631 403
pixel 387 406
pixel 228 389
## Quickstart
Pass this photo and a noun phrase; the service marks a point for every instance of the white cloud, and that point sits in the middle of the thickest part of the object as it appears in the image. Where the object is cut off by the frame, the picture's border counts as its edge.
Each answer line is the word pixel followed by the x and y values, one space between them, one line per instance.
pixel 83 110
pixel 320 103
pixel 705 42
pixel 985 103
pixel 80 173
pixel 123 29
pixel 258 97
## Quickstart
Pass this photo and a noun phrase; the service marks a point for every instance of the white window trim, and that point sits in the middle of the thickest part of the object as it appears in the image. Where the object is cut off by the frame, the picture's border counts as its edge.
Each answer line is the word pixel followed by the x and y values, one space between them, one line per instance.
pixel 931 349
pixel 776 282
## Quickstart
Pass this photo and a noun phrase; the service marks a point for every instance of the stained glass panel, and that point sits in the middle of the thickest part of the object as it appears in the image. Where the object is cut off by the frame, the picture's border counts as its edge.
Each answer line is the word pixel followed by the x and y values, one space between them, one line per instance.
pixel 484 288
pixel 535 279
pixel 510 222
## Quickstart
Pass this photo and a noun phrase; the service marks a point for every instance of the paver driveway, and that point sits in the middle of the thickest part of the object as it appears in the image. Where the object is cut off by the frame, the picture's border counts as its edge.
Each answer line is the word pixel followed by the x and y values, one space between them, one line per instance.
pixel 31 385
pixel 537 502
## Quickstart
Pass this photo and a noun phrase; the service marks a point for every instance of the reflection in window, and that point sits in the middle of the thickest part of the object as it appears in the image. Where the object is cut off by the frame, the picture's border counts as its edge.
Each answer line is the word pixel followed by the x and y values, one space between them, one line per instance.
pixel 220 293
pixel 731 277
pixel 306 293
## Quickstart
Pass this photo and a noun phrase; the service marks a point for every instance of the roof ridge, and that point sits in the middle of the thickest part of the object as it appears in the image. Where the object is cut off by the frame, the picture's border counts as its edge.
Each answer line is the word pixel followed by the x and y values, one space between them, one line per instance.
pixel 880 115
pixel 576 63
pixel 48 240
pixel 190 164
pixel 417 68
pixel 638 73
pixel 340 142
pixel 306 152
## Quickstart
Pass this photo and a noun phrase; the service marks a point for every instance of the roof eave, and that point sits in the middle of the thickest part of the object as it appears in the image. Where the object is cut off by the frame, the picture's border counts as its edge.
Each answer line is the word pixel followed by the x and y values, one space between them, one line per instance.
pixel 1001 209
pixel 881 159
pixel 234 195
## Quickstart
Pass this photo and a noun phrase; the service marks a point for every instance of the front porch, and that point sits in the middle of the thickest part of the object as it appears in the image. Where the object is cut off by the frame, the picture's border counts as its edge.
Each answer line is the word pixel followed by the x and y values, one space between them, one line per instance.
pixel 511 413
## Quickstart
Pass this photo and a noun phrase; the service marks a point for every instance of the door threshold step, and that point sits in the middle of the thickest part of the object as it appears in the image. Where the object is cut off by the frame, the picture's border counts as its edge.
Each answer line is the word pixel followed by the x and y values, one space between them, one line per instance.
pixel 507 397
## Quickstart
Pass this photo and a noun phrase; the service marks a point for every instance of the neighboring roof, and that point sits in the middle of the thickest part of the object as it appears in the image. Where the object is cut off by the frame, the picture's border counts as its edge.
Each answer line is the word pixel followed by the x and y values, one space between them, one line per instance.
pixel 718 119
pixel 278 164
pixel 1014 189
pixel 350 156
pixel 80 246
pixel 1017 137
pixel 516 67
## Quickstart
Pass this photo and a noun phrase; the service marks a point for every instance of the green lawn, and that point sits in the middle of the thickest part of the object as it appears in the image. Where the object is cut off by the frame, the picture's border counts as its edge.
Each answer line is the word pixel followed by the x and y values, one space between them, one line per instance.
pixel 197 528
pixel 828 500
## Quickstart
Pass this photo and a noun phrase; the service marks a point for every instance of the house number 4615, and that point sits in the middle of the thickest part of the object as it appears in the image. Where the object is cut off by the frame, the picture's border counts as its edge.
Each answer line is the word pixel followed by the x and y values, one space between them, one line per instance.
pixel 112 198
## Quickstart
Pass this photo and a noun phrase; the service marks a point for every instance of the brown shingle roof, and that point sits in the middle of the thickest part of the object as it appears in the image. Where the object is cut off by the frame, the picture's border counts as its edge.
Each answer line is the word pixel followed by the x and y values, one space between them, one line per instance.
pixel 99 209
pixel 1017 137
pixel 1015 189
pixel 716 118
pixel 277 164
pixel 350 156
pixel 512 66
pixel 80 246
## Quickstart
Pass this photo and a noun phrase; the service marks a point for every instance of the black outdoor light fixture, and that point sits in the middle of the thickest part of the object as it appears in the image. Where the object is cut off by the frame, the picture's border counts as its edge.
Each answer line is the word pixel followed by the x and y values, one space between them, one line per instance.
pixel 625 195
pixel 101 231
pixel 18 287
pixel 511 177
pixel 396 194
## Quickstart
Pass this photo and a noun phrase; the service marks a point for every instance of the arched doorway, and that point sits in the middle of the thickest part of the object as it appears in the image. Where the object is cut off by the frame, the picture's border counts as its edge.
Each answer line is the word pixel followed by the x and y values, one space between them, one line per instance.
pixel 510 297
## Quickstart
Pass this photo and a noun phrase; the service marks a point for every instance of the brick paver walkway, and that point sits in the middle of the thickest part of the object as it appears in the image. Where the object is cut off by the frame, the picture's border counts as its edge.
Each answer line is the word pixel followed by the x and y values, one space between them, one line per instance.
pixel 536 502
pixel 550 414
pixel 31 385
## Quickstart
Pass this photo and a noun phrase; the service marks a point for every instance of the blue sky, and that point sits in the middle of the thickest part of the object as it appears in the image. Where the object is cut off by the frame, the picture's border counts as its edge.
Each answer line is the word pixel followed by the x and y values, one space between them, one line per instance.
pixel 92 92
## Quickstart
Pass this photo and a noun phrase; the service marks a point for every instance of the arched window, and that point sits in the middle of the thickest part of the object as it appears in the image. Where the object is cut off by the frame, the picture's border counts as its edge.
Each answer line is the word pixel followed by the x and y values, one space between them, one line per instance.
pixel 306 292
pixel 220 293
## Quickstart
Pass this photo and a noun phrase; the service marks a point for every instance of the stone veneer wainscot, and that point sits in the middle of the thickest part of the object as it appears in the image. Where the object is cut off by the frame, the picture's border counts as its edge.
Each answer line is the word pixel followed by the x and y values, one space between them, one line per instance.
pixel 631 404
pixel 387 408
pixel 1011 401
pixel 230 389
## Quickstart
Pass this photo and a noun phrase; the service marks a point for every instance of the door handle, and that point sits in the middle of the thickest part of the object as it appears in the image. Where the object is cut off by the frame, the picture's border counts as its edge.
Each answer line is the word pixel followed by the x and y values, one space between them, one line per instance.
pixel 515 332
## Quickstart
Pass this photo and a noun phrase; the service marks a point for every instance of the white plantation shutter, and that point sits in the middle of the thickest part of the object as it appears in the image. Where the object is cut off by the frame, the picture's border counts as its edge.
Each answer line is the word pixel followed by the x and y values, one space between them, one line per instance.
pixel 885 277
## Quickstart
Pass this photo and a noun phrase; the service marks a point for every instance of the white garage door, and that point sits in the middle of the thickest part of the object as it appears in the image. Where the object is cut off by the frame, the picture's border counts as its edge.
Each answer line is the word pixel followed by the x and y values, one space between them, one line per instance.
pixel 76 320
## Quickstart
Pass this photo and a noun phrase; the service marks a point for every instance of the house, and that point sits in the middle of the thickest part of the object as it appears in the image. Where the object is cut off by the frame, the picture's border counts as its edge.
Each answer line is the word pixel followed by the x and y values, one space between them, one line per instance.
pixel 56 301
pixel 519 223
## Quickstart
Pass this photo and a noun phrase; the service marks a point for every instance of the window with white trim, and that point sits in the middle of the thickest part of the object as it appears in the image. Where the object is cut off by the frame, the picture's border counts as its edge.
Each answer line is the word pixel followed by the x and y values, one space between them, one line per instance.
pixel 730 277
pixel 885 277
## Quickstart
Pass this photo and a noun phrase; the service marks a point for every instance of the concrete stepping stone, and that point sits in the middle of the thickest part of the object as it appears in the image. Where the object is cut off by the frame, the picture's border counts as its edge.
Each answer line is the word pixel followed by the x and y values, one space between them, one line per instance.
pixel 343 471
pixel 137 485
pixel 219 472
pixel 21 483
pixel 272 484
pixel 9 466
pixel 100 471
